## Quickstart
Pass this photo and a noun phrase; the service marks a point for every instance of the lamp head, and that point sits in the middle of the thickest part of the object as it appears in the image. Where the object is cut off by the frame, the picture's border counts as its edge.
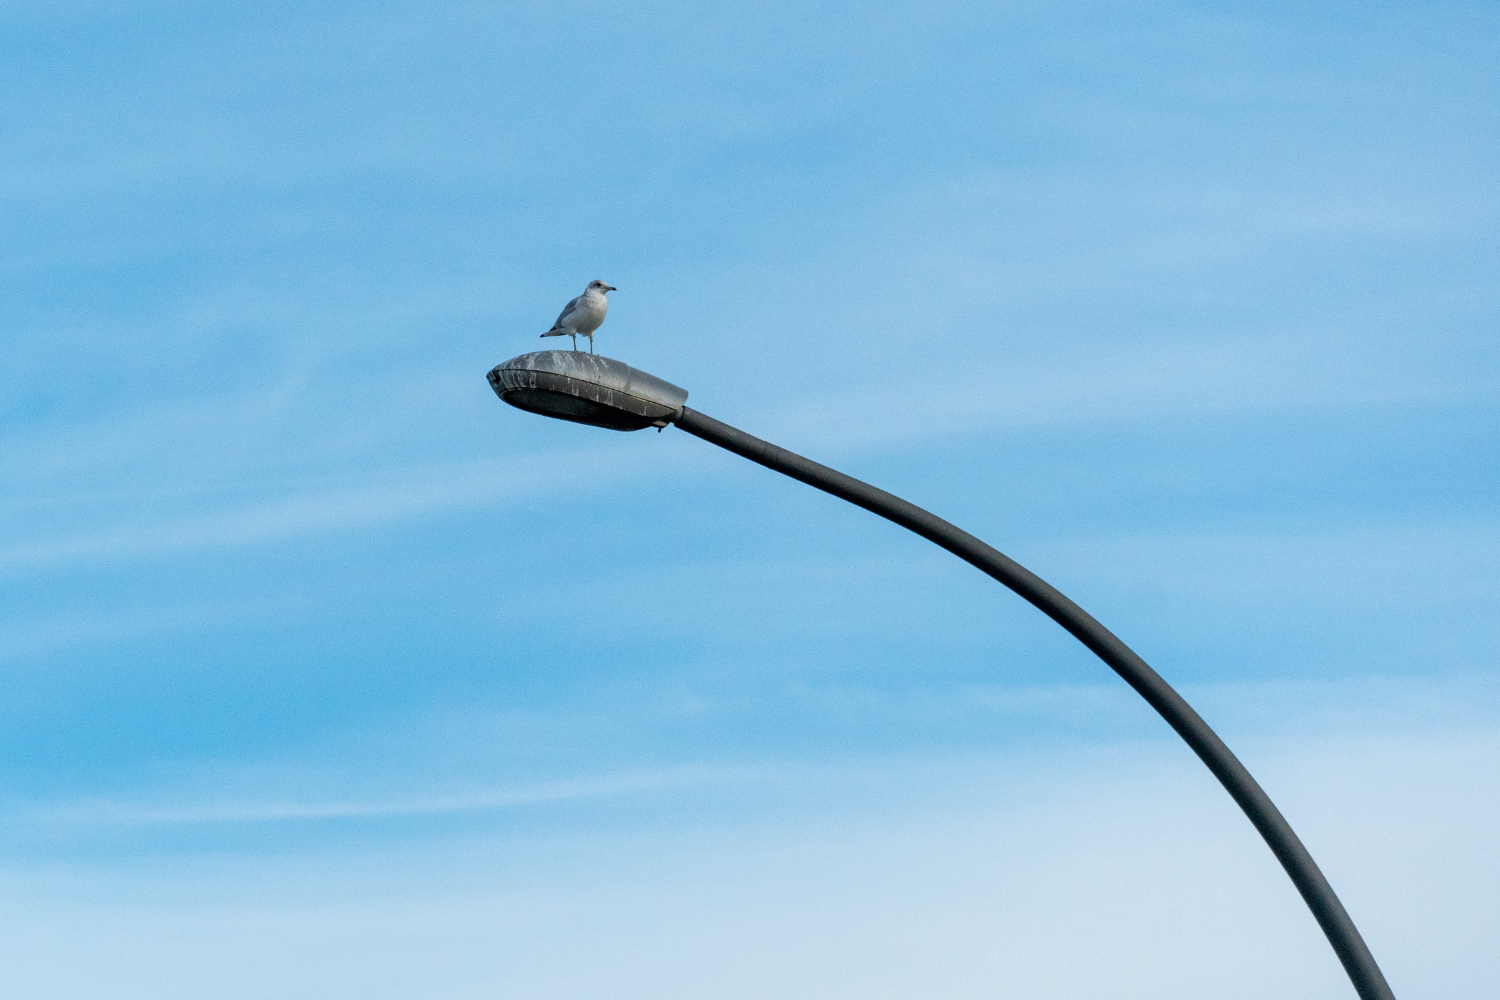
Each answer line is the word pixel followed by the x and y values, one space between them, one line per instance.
pixel 587 389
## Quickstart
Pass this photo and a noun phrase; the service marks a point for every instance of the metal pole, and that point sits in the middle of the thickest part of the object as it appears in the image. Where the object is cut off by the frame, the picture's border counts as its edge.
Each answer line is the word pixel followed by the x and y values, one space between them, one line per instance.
pixel 1342 934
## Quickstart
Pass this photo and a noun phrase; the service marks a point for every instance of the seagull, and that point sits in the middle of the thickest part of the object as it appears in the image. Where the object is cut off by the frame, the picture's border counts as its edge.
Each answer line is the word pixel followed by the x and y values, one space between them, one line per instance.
pixel 583 315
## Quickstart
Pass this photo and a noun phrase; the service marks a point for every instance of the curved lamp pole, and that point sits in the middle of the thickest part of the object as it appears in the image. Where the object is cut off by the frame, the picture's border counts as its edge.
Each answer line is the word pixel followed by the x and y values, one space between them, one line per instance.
pixel 592 389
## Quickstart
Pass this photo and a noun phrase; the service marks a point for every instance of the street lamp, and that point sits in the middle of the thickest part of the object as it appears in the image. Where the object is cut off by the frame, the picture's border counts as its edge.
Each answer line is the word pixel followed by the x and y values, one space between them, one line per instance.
pixel 592 389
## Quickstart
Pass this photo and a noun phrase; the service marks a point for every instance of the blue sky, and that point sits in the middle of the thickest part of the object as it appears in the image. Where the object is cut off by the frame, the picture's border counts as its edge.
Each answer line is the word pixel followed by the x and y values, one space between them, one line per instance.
pixel 325 674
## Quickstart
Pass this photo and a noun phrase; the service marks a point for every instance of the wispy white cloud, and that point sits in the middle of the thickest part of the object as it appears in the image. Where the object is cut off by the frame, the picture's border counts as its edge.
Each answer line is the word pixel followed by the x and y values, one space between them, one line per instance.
pixel 953 392
pixel 392 495
pixel 99 627
pixel 1087 874
pixel 612 786
pixel 1256 716
pixel 420 490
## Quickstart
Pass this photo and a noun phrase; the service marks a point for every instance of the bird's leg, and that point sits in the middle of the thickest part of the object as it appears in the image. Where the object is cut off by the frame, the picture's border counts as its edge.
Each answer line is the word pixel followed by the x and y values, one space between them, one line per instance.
pixel 575 340
pixel 591 343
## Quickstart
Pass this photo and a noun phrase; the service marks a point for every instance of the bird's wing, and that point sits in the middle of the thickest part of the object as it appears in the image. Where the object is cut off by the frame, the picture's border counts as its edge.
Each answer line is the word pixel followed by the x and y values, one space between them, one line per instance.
pixel 567 311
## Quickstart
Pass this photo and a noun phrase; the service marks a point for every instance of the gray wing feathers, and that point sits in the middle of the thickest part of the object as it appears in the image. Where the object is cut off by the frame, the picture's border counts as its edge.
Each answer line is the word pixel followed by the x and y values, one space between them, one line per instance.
pixel 567 310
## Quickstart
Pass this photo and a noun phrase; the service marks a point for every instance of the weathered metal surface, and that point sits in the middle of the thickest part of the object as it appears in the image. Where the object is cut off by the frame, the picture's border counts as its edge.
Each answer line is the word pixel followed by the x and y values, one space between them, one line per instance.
pixel 587 389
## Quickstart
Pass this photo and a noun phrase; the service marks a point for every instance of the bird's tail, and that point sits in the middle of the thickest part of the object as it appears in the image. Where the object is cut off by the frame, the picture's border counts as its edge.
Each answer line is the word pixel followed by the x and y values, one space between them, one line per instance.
pixel 555 333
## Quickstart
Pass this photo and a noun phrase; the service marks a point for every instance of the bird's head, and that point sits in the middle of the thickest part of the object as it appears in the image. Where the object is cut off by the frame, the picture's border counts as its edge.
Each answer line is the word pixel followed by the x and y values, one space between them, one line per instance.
pixel 600 287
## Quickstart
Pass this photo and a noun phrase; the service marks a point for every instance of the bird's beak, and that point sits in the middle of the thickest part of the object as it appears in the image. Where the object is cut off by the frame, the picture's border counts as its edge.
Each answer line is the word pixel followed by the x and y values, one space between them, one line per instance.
pixel 610 288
